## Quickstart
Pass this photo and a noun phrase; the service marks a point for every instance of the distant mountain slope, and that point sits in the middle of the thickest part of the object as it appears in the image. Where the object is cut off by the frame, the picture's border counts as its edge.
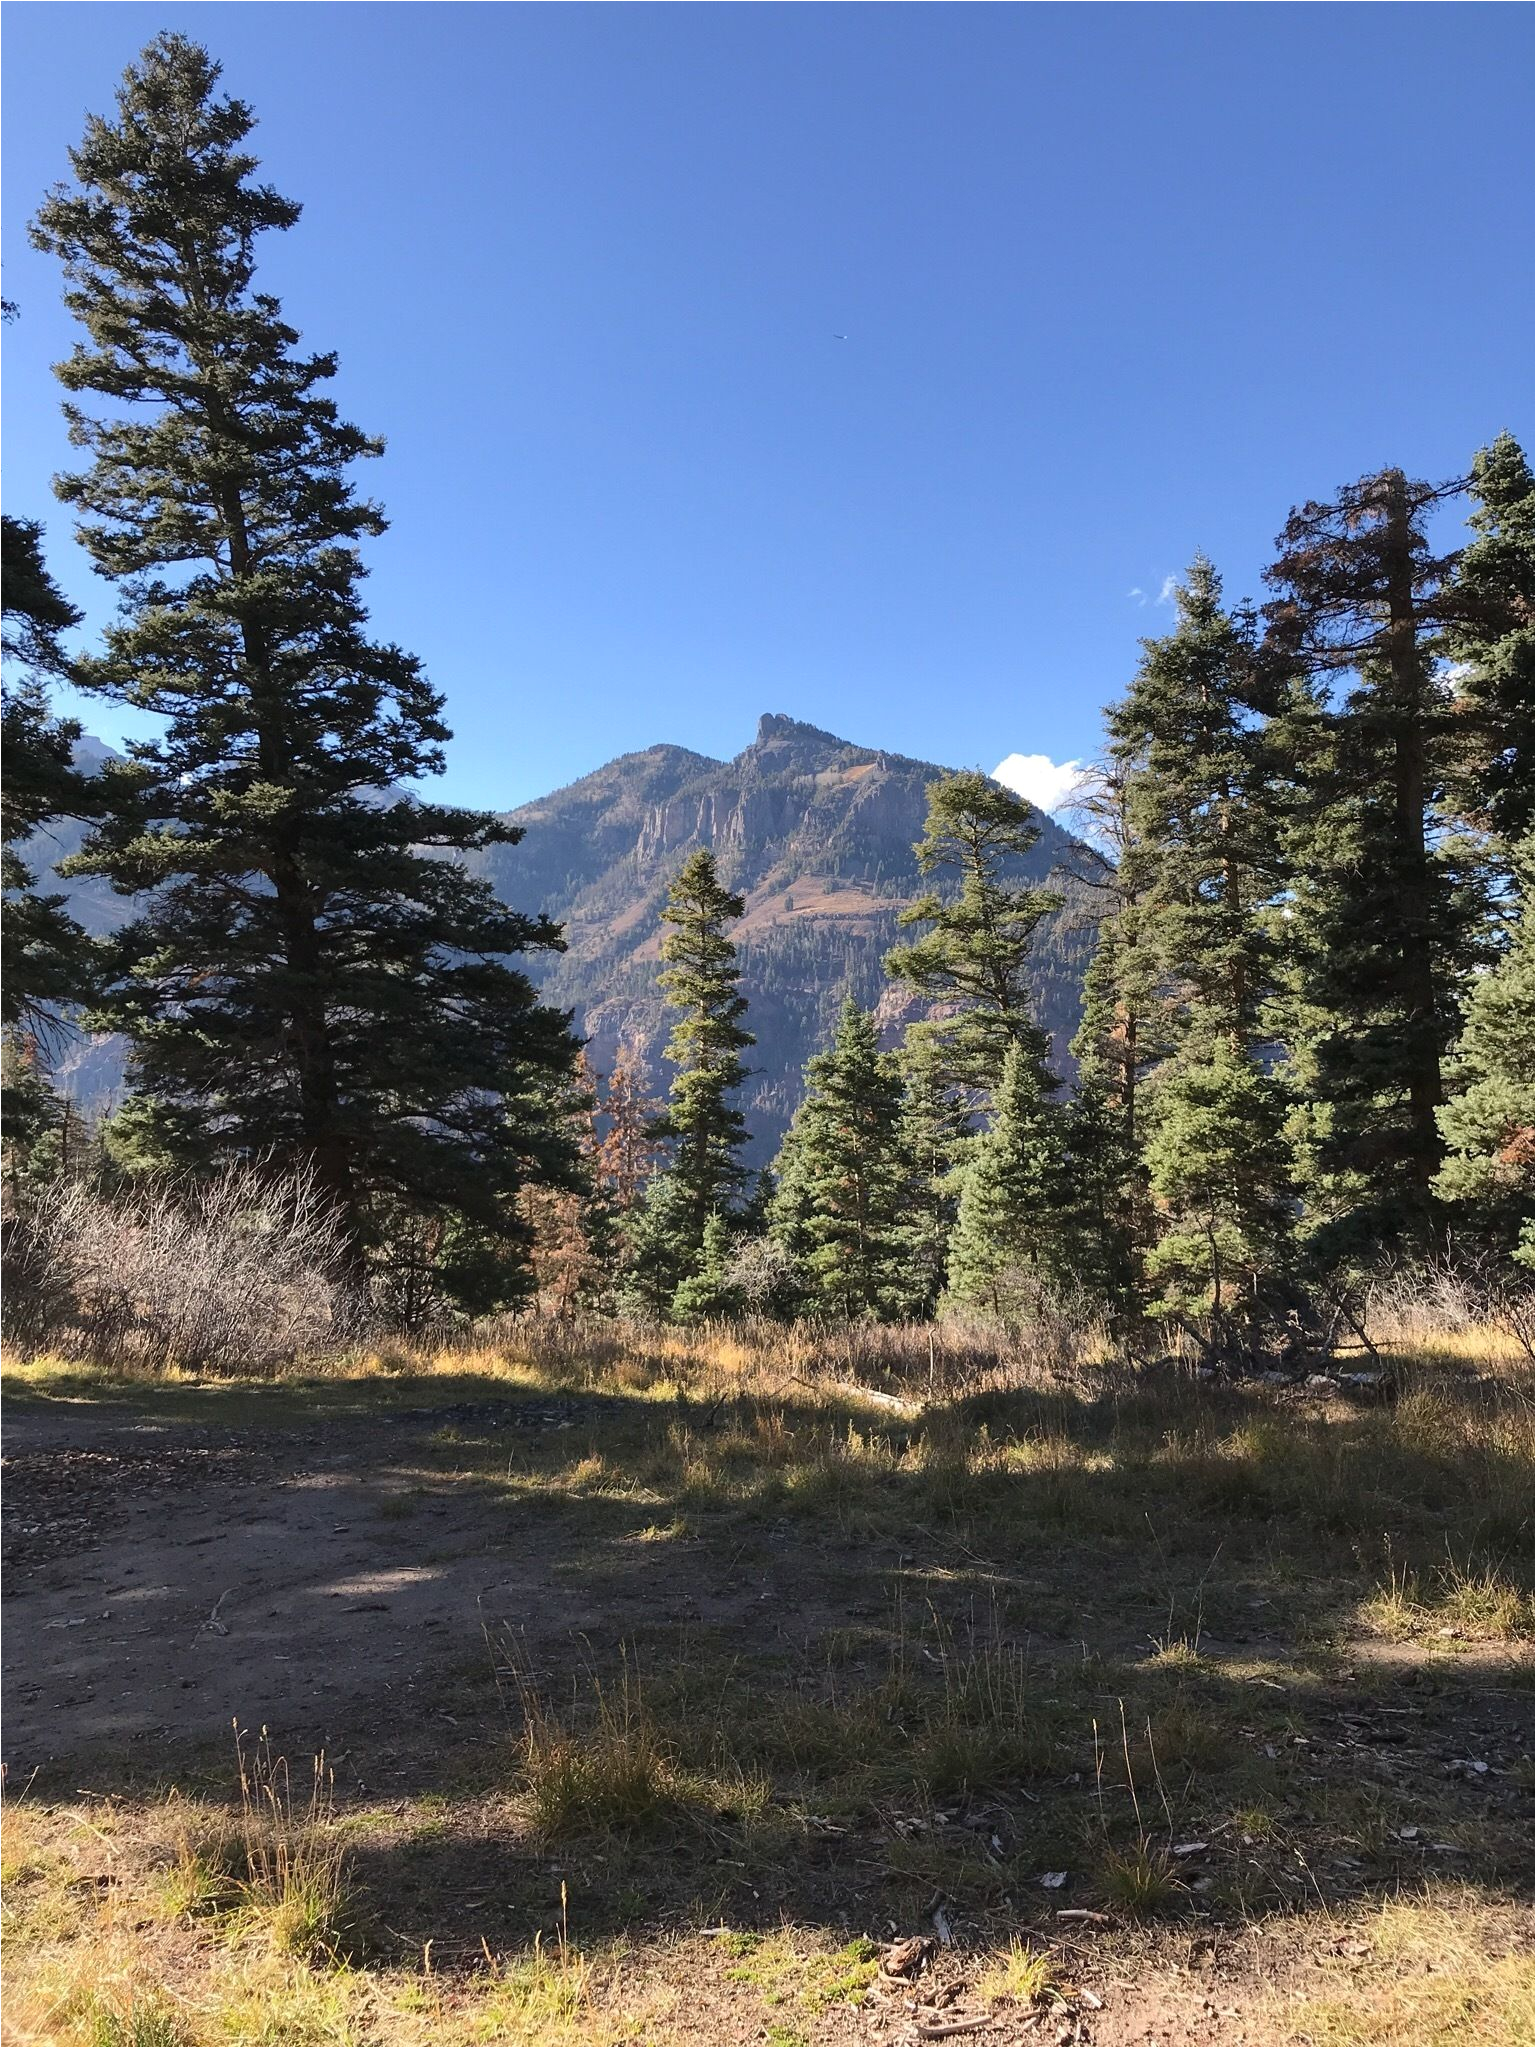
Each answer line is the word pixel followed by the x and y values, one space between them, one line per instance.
pixel 817 834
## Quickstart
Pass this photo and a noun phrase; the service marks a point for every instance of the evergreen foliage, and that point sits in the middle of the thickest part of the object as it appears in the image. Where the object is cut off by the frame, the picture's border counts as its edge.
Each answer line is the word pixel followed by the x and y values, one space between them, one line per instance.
pixel 1008 1244
pixel 1489 637
pixel 843 1188
pixel 315 978
pixel 45 957
pixel 1384 907
pixel 1487 1123
pixel 1219 1170
pixel 1193 758
pixel 973 959
pixel 932 1138
pixel 700 979
pixel 659 1248
pixel 709 1293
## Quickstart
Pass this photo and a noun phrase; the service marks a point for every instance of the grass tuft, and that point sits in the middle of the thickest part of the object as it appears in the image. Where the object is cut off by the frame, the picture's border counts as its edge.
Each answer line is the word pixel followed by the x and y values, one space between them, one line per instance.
pixel 1021 1974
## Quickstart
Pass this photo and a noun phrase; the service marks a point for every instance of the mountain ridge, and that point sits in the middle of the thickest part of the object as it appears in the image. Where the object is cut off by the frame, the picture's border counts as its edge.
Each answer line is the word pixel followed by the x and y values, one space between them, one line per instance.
pixel 817 834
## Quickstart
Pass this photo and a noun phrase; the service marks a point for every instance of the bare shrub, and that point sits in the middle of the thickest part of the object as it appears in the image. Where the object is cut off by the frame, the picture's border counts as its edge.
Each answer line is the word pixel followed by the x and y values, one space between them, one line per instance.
pixel 237 1273
pixel 1422 1304
pixel 762 1274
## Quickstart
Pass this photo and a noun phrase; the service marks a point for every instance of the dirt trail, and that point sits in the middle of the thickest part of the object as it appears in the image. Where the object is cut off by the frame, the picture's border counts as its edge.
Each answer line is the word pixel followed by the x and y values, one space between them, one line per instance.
pixel 163 1578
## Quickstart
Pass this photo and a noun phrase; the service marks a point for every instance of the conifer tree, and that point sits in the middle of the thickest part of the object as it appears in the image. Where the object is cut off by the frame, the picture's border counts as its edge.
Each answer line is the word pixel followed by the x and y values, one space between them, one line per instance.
pixel 659 1248
pixel 1123 1033
pixel 700 979
pixel 846 1186
pixel 1219 1167
pixel 1382 915
pixel 1107 1206
pixel 1188 739
pixel 35 1119
pixel 1489 638
pixel 45 957
pixel 709 1294
pixel 1487 1123
pixel 311 981
pixel 932 1138
pixel 974 957
pixel 1008 1241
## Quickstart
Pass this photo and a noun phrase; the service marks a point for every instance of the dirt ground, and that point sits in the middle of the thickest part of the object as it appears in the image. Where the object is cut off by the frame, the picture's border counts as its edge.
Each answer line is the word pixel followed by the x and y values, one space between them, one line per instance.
pixel 359 1578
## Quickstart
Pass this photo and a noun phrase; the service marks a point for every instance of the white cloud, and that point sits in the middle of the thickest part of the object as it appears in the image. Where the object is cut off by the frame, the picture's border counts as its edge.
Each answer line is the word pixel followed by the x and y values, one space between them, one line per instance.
pixel 1169 590
pixel 1041 781
pixel 1137 594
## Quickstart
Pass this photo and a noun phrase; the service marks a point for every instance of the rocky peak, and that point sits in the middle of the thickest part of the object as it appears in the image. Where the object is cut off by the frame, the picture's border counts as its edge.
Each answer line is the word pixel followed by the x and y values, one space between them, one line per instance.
pixel 784 742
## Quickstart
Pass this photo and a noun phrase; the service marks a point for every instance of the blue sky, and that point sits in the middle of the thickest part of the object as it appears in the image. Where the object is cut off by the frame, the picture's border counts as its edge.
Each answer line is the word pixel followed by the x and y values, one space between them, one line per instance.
pixel 1117 282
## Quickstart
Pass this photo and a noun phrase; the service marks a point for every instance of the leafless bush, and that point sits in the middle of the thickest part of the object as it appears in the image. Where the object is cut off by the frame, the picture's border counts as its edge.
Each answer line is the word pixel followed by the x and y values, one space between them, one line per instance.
pixel 1446 1296
pixel 762 1272
pixel 237 1273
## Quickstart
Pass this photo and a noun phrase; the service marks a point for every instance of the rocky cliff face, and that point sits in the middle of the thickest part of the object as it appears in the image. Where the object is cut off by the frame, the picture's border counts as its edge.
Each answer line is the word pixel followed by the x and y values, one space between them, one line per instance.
pixel 817 835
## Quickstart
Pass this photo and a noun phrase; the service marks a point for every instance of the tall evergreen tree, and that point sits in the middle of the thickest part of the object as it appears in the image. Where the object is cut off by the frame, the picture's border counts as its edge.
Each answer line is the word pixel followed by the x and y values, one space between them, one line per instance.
pixel 1220 1168
pixel 974 958
pixel 1383 911
pixel 1125 1030
pixel 312 979
pixel 1199 789
pixel 1009 1243
pixel 45 957
pixel 700 979
pixel 1107 1205
pixel 932 1138
pixel 1489 638
pixel 846 1189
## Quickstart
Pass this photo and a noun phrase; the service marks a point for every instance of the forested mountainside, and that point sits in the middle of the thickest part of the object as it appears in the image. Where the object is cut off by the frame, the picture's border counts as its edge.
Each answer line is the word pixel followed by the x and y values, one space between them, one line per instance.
pixel 817 834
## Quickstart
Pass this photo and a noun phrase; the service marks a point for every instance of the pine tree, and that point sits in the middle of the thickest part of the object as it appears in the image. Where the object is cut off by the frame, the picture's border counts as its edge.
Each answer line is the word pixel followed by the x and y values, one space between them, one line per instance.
pixel 1382 912
pixel 700 979
pixel 932 1138
pixel 1490 640
pixel 709 1294
pixel 312 980
pixel 34 1120
pixel 1008 1246
pixel 974 958
pixel 1124 1032
pixel 1219 1167
pixel 1195 759
pixel 1107 1210
pixel 45 957
pixel 1487 1123
pixel 659 1248
pixel 846 1183
pixel 1124 1027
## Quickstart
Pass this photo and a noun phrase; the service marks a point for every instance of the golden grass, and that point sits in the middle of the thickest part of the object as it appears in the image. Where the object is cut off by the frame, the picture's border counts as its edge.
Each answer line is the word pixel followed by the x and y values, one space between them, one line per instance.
pixel 1021 1974
pixel 1439 1971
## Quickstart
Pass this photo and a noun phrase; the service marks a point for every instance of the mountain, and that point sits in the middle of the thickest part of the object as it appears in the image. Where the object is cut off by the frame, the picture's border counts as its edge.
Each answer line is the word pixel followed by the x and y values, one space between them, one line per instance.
pixel 817 834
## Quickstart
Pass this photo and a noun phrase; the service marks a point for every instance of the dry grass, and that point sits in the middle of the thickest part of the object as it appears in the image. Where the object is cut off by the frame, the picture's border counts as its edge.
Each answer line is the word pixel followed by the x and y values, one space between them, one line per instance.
pixel 1437 1971
pixel 1020 1974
